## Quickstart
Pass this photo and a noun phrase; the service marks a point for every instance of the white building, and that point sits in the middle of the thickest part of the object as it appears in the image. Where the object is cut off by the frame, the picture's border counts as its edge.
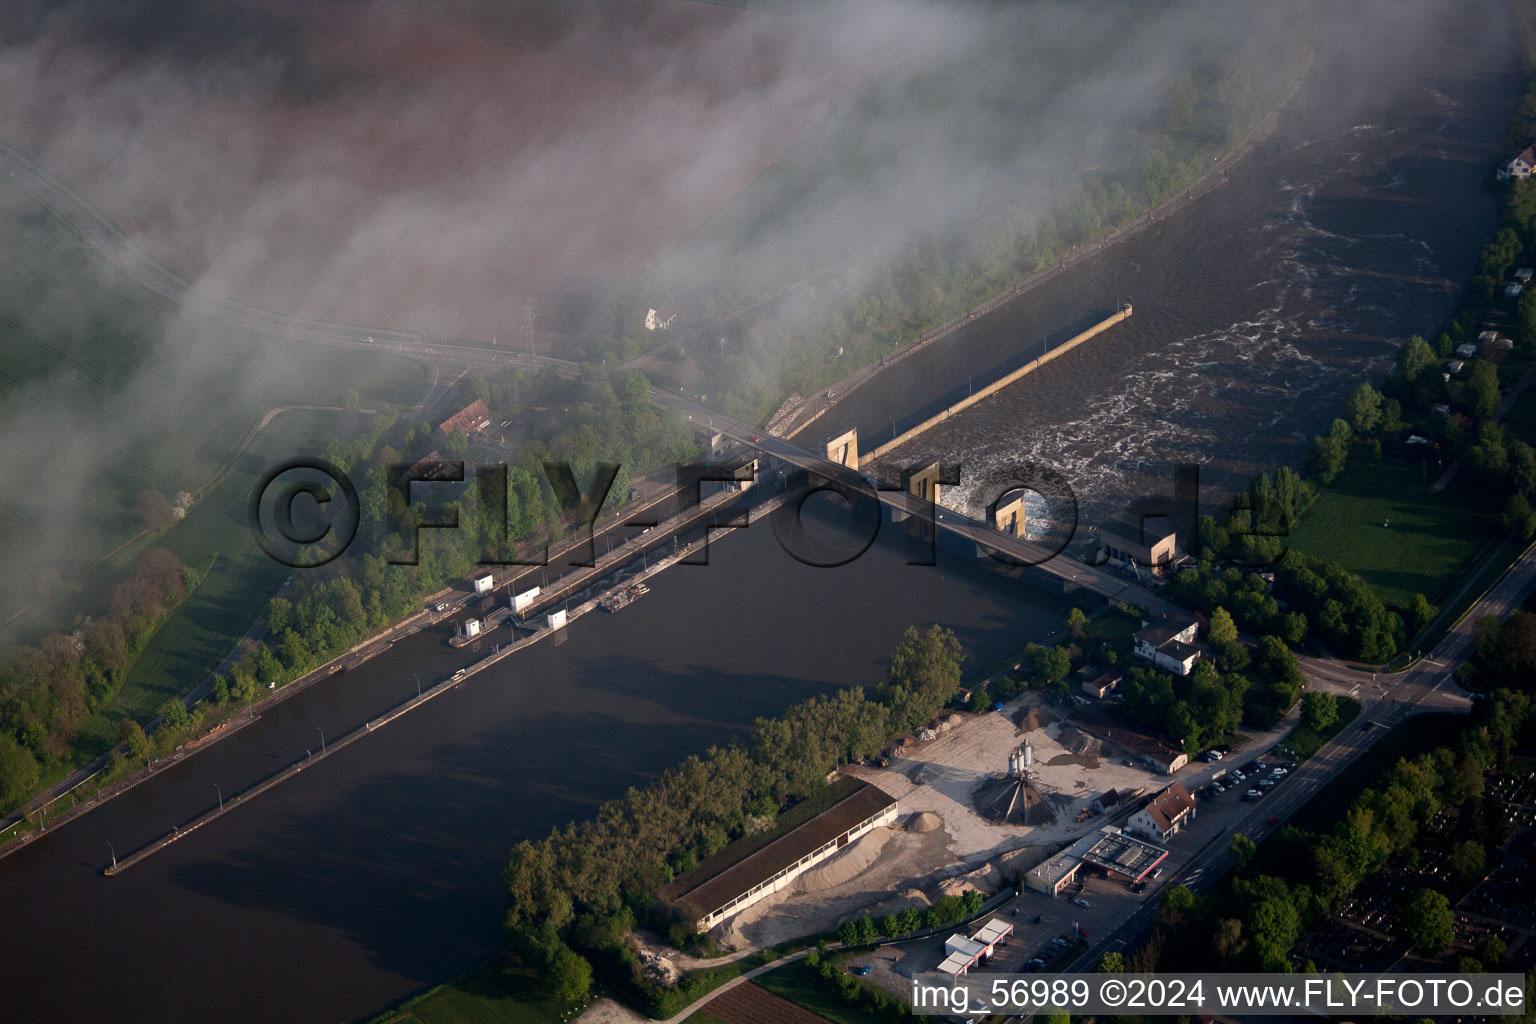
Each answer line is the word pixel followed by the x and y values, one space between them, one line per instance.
pixel 1165 814
pixel 661 318
pixel 962 952
pixel 1520 165
pixel 1168 644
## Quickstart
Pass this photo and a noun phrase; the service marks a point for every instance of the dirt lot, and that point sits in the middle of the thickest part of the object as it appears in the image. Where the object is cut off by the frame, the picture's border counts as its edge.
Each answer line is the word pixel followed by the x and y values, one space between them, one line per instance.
pixel 407 164
pixel 895 868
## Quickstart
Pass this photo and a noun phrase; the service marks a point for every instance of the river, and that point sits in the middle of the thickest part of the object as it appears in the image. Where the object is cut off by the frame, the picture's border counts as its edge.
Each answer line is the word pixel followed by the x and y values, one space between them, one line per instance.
pixel 374 875
pixel 1257 308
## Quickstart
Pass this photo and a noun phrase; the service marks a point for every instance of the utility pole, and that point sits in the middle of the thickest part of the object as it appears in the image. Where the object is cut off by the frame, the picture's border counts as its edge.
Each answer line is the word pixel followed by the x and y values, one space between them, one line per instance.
pixel 114 856
pixel 322 738
pixel 219 791
pixel 530 314
pixel 418 682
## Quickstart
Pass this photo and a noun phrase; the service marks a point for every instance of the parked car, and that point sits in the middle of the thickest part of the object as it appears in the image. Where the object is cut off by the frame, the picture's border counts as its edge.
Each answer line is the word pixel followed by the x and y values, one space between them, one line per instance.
pixel 862 970
pixel 1082 903
pixel 1253 794
pixel 1280 773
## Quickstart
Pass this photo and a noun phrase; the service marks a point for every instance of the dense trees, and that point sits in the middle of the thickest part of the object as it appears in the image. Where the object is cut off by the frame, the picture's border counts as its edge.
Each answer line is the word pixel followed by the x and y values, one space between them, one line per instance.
pixel 48 690
pixel 1347 614
pixel 1426 922
pixel 1504 653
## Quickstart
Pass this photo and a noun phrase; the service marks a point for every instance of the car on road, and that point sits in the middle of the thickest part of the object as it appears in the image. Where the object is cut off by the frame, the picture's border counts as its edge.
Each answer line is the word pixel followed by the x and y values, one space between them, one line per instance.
pixel 862 970
pixel 1082 903
pixel 755 438
pixel 1253 794
pixel 1368 726
pixel 1275 820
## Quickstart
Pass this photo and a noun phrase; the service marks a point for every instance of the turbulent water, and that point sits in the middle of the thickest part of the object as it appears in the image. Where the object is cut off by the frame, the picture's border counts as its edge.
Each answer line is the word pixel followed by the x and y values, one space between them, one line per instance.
pixel 1257 307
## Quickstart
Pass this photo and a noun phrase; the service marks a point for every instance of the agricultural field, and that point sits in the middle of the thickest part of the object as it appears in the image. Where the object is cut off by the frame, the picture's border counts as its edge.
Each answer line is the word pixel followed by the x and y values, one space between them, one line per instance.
pixel 751 1004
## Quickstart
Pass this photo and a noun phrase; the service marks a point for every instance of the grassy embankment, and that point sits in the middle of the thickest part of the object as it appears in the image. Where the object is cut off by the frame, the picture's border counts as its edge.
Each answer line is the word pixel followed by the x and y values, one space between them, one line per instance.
pixel 487 995
pixel 1303 742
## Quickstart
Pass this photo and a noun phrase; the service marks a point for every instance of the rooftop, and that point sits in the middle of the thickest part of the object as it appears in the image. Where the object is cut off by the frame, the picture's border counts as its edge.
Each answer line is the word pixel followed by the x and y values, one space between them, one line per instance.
pixel 1125 854
pixel 737 868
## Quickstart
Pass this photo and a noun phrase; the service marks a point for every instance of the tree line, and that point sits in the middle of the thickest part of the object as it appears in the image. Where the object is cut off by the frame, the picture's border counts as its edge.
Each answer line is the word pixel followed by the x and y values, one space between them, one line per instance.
pixel 49 689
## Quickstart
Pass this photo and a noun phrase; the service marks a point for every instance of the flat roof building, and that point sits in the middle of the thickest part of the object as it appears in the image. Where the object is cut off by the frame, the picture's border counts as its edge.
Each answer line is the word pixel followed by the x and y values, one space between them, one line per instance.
pixel 963 952
pixel 1123 856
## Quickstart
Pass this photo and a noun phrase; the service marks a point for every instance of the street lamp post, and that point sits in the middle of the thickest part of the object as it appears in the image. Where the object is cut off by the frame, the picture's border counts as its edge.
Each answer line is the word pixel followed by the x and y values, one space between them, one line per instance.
pixel 219 791
pixel 114 855
pixel 322 738
pixel 418 682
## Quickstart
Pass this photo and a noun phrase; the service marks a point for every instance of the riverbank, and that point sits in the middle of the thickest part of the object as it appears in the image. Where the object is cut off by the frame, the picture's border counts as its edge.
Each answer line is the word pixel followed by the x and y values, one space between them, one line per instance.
pixel 793 417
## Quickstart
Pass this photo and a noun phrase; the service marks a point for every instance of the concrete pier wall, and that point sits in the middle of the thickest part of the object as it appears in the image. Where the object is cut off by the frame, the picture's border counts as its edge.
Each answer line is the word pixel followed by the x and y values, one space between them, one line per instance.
pixel 1124 313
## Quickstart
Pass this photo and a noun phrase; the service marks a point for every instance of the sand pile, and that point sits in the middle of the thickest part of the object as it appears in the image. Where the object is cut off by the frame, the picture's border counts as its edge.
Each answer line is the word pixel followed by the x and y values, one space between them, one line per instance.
pixel 1029 719
pixel 927 821
pixel 1080 743
pixel 846 865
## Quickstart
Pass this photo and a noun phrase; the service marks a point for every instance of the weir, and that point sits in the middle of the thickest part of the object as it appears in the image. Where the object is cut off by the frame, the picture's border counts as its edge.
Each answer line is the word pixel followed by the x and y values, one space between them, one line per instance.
pixel 1124 313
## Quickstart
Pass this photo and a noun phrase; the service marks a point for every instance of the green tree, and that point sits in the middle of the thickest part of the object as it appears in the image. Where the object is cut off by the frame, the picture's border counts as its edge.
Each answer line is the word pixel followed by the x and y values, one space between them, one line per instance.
pixel 1362 409
pixel 1222 630
pixel 131 735
pixel 173 716
pixel 1319 710
pixel 1077 622
pixel 1330 451
pixel 1112 963
pixel 1414 358
pixel 570 976
pixel 1518 520
pixel 1467 861
pixel 1483 389
pixel 1426 922
pixel 1420 614
pixel 1243 850
pixel 18 772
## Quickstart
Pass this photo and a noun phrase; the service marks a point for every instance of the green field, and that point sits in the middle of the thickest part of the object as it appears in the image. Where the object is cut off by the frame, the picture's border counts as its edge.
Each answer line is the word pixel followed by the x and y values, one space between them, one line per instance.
pixel 489 995
pixel 702 1017
pixel 199 633
pixel 804 987
pixel 1379 521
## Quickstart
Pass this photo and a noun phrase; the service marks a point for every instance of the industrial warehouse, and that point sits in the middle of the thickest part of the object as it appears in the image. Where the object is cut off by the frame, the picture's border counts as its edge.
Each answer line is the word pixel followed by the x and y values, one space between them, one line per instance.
pixel 1115 853
pixel 741 876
